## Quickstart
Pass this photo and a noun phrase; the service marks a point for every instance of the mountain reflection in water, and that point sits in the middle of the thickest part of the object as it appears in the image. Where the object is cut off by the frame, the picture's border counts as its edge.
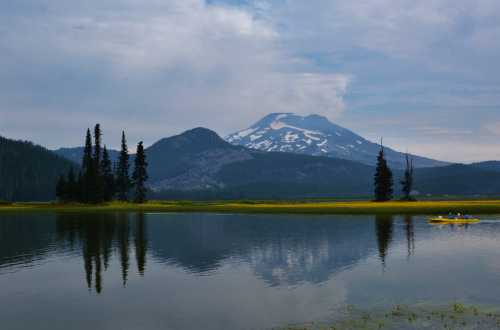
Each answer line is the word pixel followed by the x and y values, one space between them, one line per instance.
pixel 217 271
pixel 286 250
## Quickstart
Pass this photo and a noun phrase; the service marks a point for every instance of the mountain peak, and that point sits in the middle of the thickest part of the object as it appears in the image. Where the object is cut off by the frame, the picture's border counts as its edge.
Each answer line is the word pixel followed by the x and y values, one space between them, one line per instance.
pixel 289 132
pixel 201 132
pixel 317 136
pixel 272 117
pixel 199 138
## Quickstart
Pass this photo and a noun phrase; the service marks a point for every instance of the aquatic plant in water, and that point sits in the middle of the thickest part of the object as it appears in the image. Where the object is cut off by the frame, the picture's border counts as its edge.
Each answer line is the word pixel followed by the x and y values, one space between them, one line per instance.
pixel 456 316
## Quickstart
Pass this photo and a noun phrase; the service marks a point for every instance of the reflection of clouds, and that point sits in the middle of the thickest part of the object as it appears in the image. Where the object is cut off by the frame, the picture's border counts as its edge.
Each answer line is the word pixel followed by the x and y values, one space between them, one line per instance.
pixel 447 264
pixel 257 271
pixel 493 265
pixel 234 298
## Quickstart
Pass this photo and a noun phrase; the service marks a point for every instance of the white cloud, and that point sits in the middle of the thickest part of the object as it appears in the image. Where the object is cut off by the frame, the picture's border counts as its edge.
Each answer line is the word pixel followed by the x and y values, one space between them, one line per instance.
pixel 182 63
pixel 397 28
pixel 157 67
pixel 493 128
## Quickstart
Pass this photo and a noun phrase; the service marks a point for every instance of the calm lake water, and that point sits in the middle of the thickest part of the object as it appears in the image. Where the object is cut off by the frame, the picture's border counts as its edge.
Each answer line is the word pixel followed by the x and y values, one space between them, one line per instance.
pixel 208 271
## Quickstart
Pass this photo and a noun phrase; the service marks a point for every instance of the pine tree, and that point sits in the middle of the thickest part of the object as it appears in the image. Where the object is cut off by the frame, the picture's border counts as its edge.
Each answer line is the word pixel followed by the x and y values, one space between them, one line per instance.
pixel 140 175
pixel 407 182
pixel 122 172
pixel 79 187
pixel 97 147
pixel 87 170
pixel 72 188
pixel 107 175
pixel 383 178
pixel 61 188
pixel 98 184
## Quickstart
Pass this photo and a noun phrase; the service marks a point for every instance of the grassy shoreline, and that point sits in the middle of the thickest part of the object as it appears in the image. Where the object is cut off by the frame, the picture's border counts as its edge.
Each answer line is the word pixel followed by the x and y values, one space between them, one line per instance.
pixel 271 207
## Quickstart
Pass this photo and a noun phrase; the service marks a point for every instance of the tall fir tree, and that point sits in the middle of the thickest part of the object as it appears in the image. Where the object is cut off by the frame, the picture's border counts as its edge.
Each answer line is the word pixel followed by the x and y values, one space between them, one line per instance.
pixel 98 184
pixel 407 182
pixel 61 187
pixel 383 178
pixel 122 172
pixel 71 188
pixel 140 175
pixel 97 147
pixel 87 170
pixel 107 176
pixel 79 187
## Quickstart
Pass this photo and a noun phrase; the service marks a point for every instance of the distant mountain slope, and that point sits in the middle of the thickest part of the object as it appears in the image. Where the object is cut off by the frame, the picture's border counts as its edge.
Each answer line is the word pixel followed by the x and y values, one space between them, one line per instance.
pixel 492 165
pixel 317 136
pixel 29 172
pixel 199 164
pixel 457 180
pixel 76 154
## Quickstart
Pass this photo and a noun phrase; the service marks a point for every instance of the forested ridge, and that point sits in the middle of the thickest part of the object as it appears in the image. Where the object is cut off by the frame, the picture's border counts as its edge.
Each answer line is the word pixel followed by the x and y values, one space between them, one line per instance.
pixel 28 172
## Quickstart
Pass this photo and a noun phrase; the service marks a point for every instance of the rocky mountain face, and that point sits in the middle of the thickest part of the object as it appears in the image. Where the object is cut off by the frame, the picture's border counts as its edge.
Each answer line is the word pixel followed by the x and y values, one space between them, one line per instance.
pixel 316 136
pixel 191 161
pixel 200 160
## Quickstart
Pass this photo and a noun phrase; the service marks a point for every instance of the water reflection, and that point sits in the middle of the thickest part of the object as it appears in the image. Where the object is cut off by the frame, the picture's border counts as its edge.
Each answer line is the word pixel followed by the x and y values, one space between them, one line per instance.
pixel 283 250
pixel 188 271
pixel 141 243
pixel 24 242
pixel 97 236
pixel 410 234
pixel 384 228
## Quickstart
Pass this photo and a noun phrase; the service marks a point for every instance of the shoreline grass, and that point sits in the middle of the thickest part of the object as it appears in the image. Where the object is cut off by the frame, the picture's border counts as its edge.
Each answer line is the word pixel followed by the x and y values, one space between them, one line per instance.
pixel 270 207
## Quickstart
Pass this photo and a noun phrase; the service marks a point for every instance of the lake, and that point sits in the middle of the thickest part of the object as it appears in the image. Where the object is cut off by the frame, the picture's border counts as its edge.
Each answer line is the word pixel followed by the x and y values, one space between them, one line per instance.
pixel 211 271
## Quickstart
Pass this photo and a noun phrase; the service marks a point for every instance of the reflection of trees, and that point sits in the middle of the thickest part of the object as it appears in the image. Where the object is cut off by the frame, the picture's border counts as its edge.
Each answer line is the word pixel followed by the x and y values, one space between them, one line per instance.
pixel 384 230
pixel 97 235
pixel 410 234
pixel 141 243
pixel 279 249
pixel 123 248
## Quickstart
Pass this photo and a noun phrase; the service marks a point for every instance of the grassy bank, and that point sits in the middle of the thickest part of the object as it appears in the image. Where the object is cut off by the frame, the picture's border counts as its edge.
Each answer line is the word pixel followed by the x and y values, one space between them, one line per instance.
pixel 272 207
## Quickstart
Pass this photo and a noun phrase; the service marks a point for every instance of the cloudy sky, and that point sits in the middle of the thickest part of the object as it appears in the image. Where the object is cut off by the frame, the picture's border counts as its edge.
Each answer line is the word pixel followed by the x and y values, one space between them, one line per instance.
pixel 424 74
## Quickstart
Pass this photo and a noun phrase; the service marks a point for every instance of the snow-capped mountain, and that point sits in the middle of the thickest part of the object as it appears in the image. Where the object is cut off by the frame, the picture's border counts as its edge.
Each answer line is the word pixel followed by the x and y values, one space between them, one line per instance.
pixel 316 135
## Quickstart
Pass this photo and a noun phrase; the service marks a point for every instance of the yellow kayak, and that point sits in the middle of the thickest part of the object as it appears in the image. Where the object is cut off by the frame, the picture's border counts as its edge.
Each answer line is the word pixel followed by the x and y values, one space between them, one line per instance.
pixel 448 220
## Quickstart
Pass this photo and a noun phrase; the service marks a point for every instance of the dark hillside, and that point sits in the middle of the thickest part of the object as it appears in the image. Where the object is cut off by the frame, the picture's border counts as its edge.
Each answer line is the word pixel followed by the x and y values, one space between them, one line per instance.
pixel 29 172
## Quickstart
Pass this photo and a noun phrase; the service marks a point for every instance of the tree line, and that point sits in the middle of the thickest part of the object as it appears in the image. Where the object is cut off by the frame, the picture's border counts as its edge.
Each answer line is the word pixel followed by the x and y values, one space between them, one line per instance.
pixel 28 171
pixel 99 180
pixel 384 183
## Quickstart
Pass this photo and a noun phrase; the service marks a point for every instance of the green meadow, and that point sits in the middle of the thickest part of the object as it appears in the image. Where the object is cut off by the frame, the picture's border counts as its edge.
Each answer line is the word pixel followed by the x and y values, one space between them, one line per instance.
pixel 271 207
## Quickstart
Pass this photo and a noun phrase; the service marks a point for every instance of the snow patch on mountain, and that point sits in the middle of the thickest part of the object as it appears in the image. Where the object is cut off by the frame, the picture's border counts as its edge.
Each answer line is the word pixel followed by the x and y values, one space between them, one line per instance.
pixel 315 135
